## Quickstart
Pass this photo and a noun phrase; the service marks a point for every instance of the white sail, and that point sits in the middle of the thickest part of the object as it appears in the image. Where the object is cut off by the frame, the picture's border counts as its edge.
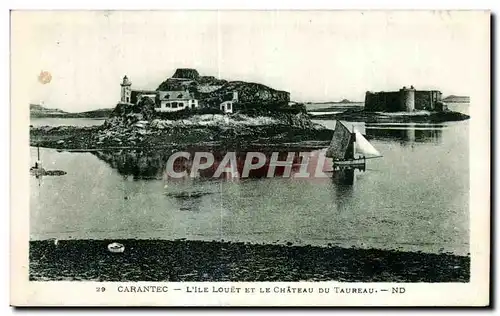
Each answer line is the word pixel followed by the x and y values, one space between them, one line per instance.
pixel 363 147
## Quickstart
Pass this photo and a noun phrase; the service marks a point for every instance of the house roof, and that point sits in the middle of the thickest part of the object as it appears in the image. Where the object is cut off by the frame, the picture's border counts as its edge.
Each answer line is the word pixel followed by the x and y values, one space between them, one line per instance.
pixel 144 91
pixel 175 95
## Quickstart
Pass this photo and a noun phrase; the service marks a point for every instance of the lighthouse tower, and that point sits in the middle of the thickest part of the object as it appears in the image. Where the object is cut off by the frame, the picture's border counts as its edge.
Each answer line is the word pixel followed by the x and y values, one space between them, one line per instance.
pixel 126 90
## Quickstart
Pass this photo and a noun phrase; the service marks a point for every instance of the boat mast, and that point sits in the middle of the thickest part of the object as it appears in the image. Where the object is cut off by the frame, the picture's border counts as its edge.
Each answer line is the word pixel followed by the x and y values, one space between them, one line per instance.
pixel 353 143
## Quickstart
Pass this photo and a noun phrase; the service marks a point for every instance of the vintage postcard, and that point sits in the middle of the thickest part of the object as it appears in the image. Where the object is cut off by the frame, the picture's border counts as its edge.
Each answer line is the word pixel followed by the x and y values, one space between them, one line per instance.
pixel 250 158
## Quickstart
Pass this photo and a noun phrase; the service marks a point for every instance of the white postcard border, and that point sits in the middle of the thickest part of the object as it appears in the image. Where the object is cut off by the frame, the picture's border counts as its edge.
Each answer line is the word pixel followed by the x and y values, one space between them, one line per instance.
pixel 474 293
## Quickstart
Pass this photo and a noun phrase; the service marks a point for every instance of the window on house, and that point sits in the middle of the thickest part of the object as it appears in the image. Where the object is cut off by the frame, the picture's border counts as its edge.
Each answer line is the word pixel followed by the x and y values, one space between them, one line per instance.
pixel 174 105
pixel 179 96
pixel 167 96
pixel 229 106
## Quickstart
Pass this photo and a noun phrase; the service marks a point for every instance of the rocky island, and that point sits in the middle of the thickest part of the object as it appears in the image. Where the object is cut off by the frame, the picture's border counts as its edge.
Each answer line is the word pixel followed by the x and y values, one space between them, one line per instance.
pixel 189 109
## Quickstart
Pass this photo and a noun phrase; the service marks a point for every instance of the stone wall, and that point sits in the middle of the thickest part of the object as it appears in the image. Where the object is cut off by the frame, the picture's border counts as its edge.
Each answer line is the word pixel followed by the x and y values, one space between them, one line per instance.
pixel 426 100
pixel 403 100
pixel 382 101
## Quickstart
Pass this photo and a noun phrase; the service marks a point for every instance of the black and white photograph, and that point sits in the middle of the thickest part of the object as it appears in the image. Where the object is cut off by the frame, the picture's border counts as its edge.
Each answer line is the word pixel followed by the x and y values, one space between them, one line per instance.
pixel 314 154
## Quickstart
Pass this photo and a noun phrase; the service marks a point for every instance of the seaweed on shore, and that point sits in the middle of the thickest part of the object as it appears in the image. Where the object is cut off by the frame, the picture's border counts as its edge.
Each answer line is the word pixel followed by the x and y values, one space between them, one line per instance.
pixel 186 260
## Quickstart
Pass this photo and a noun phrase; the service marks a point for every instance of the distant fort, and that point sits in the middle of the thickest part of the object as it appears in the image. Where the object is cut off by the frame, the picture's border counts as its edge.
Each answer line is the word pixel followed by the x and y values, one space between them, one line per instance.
pixel 404 100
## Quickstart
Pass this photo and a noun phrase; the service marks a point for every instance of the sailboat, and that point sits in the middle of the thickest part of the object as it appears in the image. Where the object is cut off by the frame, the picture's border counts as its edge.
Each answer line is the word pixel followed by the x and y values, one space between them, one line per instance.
pixel 350 149
pixel 37 169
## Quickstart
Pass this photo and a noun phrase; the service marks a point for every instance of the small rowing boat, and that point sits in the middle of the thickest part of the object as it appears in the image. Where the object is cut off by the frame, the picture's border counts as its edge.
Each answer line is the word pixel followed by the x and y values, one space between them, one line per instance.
pixel 116 247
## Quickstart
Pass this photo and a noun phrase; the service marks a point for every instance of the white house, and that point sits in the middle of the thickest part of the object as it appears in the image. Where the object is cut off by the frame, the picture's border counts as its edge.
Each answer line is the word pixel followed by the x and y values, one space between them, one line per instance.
pixel 228 106
pixel 172 101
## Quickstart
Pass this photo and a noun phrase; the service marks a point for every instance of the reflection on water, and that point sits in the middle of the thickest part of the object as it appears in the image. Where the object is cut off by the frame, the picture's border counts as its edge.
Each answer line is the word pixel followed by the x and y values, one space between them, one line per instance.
pixel 141 164
pixel 189 201
pixel 414 198
pixel 405 134
pixel 344 177
pixel 152 164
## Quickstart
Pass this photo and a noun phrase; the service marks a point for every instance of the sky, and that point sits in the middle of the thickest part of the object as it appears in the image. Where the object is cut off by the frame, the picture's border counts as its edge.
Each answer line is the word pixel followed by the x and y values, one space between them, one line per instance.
pixel 317 56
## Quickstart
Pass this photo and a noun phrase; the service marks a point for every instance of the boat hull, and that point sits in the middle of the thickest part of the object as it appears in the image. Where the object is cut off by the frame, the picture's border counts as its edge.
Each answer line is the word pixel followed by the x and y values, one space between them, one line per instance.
pixel 344 176
pixel 353 164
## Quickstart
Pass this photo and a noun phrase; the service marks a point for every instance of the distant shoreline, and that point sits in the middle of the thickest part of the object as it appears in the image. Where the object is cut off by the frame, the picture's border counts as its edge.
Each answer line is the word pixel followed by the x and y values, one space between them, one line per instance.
pixel 99 114
pixel 103 118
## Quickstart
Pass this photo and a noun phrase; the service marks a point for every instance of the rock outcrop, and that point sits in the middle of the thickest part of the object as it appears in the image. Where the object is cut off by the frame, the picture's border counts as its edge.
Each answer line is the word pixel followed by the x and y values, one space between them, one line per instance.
pixel 127 113
pixel 129 129
pixel 186 73
pixel 248 93
pixel 211 91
